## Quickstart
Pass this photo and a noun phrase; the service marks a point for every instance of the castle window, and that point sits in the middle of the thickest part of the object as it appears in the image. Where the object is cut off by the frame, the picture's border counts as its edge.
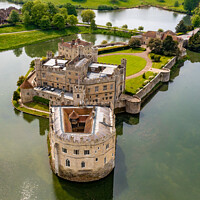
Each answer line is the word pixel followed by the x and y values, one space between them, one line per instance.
pixel 69 73
pixel 96 95
pixel 28 93
pixel 64 150
pixel 105 87
pixel 103 98
pixel 121 87
pixel 96 88
pixel 88 89
pixel 107 146
pixel 112 154
pixel 96 159
pixel 83 164
pixel 76 152
pixel 69 80
pixel 98 148
pixel 78 96
pixel 111 86
pixel 86 152
pixel 106 94
pixel 43 75
pixel 110 97
pixel 57 79
pixel 76 81
pixel 76 74
pixel 68 163
pixel 106 98
pixel 104 160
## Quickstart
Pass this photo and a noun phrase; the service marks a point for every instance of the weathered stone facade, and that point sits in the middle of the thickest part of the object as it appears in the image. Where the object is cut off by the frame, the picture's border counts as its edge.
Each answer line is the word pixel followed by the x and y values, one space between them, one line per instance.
pixel 82 156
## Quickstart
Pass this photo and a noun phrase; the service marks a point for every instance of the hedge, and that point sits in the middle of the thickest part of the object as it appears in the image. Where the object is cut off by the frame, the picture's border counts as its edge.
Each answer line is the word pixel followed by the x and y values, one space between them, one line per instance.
pixel 112 49
pixel 38 99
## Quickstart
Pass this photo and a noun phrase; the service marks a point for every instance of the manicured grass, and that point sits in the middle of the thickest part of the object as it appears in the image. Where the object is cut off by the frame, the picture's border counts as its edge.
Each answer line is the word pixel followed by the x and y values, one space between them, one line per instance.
pixel 37 106
pixel 28 111
pixel 163 61
pixel 17 28
pixel 133 85
pixel 134 63
pixel 137 50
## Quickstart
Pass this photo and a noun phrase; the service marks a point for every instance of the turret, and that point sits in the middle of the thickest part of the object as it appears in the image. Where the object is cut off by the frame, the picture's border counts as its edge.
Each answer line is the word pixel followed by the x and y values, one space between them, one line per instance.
pixel 95 54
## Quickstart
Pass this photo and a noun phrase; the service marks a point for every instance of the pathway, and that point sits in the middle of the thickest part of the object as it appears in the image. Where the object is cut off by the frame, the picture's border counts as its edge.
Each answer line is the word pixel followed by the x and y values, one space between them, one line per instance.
pixel 41 111
pixel 142 55
pixel 19 32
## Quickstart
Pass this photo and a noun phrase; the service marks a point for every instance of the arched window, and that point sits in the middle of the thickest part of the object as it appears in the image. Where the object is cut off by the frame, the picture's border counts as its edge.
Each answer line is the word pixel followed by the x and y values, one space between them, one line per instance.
pixel 82 164
pixel 68 163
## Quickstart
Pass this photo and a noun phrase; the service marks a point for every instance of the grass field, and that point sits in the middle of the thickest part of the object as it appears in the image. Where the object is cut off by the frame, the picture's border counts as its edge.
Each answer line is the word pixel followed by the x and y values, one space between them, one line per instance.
pixel 134 63
pixel 37 106
pixel 163 61
pixel 121 3
pixel 133 85
pixel 17 28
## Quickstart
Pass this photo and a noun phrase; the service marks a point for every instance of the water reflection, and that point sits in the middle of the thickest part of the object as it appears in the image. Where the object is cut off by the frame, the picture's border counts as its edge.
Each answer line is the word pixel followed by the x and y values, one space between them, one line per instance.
pixel 193 56
pixel 18 52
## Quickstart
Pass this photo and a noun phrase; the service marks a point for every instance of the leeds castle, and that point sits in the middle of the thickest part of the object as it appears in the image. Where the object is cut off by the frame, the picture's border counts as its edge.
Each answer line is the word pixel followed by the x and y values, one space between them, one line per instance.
pixel 83 95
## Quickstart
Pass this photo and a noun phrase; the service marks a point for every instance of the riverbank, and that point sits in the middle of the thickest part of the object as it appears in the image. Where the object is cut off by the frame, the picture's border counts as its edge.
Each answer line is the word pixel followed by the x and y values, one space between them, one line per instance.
pixel 89 4
pixel 20 39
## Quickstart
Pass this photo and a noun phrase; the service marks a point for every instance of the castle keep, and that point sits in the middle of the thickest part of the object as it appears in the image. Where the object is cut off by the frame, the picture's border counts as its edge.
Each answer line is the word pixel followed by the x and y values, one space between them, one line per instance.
pixel 82 142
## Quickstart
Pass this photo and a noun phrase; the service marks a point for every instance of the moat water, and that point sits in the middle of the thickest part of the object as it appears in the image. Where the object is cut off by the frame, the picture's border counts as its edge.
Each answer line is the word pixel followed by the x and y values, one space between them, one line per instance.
pixel 150 18
pixel 157 156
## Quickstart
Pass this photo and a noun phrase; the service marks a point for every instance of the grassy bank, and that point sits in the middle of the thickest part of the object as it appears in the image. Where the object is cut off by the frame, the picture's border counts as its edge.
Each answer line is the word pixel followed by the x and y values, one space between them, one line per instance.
pixel 167 4
pixel 163 61
pixel 16 40
pixel 28 111
pixel 135 84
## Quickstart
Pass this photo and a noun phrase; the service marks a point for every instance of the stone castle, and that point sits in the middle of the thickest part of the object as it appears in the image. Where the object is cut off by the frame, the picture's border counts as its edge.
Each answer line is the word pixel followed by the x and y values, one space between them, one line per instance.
pixel 83 95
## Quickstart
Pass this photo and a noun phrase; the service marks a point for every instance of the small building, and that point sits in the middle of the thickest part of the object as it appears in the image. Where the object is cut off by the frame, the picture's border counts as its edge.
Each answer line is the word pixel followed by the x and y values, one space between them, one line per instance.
pixel 82 141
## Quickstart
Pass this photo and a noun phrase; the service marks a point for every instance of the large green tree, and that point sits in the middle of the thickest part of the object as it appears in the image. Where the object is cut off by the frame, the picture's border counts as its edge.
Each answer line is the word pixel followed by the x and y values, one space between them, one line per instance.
pixel 14 17
pixel 190 5
pixel 87 15
pixel 58 21
pixel 71 9
pixel 45 22
pixel 194 42
pixel 181 27
pixel 72 20
pixel 155 44
pixel 170 47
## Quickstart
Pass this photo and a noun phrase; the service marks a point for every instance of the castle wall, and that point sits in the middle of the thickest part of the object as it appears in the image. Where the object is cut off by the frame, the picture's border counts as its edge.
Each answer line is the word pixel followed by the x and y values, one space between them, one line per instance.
pixel 67 156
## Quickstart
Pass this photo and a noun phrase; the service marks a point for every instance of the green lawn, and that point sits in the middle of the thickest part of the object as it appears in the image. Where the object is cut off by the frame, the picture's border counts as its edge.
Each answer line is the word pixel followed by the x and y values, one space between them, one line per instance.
pixel 17 28
pixel 134 63
pixel 137 50
pixel 17 106
pixel 163 61
pixel 37 106
pixel 133 85
pixel 127 4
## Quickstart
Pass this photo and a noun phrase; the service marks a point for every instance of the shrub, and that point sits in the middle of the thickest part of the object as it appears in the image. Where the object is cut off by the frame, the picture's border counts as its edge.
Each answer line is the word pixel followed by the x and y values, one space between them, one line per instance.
pixel 157 58
pixel 20 80
pixel 145 82
pixel 112 49
pixel 16 96
pixel 41 100
pixel 144 76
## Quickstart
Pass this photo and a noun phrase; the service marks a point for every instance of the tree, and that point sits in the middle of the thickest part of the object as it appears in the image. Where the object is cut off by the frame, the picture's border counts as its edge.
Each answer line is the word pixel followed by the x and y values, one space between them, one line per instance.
pixel 194 42
pixel 155 44
pixel 63 11
pixel 14 17
pixel 170 47
pixel 26 18
pixel 160 30
pixel 93 25
pixel 51 9
pixel 72 20
pixel 125 26
pixel 109 24
pixel 38 11
pixel 176 4
pixel 87 15
pixel 71 9
pixel 104 42
pixel 45 22
pixel 181 27
pixel 20 80
pixel 16 96
pixel 58 21
pixel 140 28
pixel 196 20
pixel 190 5
pixel 134 43
pixel 27 7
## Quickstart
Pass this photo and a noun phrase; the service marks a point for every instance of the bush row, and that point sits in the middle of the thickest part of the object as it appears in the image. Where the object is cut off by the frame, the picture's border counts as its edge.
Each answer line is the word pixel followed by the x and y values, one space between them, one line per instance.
pixel 106 7
pixel 112 49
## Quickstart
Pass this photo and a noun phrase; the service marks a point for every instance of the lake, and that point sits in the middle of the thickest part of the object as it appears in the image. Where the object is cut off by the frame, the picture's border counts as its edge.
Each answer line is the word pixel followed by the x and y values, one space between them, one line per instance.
pixel 157 155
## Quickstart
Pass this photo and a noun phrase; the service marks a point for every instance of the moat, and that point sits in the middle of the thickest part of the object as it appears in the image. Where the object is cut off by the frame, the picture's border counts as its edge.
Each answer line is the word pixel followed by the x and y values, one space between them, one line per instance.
pixel 157 151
